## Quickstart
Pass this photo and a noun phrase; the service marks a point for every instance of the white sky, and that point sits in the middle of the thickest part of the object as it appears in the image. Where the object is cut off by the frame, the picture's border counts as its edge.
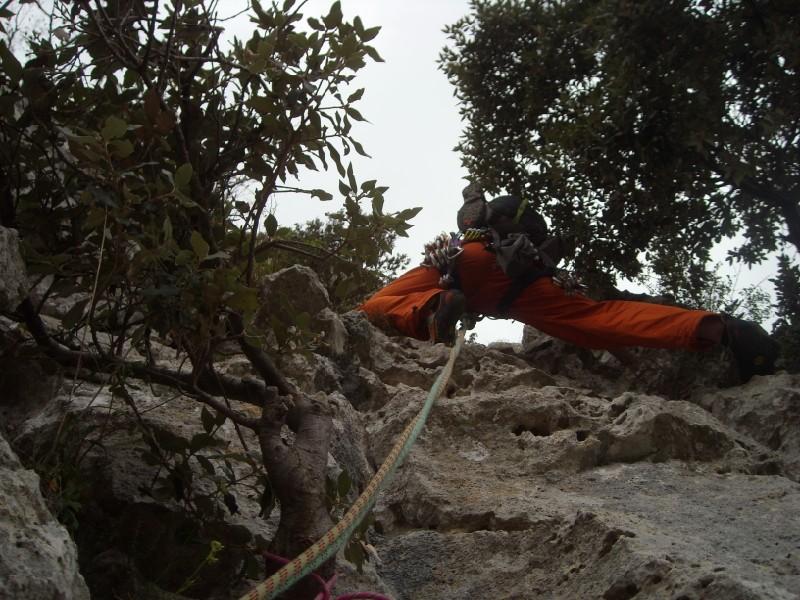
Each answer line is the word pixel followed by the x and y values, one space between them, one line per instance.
pixel 413 127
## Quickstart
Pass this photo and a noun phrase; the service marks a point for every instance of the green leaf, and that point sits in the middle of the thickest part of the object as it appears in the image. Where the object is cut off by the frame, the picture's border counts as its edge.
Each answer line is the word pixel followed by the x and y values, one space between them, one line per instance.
pixel 258 10
pixel 334 18
pixel 344 287
pixel 351 179
pixel 271 224
pixel 373 54
pixel 355 96
pixel 343 189
pixel 169 442
pixel 315 24
pixel 354 113
pixel 183 175
pixel 409 213
pixel 266 501
pixel 322 195
pixel 368 185
pixel 262 105
pixel 302 321
pixel 336 158
pixel 200 441
pixel 11 66
pixel 207 465
pixel 167 229
pixel 199 245
pixel 377 205
pixel 75 314
pixel 354 553
pixel 359 148
pixel 208 419
pixel 369 34
pixel 184 257
pixel 343 484
pixel 244 299
pixel 114 128
pixel 121 148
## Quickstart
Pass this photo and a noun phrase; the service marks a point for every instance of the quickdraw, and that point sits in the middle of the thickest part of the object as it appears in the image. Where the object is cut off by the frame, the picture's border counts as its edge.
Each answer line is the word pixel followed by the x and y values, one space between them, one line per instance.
pixel 443 251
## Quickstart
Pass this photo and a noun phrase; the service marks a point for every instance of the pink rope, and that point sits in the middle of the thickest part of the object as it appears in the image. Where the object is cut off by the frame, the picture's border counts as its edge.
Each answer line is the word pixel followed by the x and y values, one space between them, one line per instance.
pixel 327 586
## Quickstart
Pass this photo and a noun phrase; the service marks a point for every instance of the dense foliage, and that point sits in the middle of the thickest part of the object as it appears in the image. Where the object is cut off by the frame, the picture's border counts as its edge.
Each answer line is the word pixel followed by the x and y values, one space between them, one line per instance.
pixel 787 326
pixel 133 132
pixel 649 129
pixel 140 153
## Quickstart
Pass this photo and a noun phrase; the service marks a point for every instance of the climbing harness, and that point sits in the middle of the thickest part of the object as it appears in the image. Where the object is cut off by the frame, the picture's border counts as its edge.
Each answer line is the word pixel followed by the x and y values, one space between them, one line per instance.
pixel 316 554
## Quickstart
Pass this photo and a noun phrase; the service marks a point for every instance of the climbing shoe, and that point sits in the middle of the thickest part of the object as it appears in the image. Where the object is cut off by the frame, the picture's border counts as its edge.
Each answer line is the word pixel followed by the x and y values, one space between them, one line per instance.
pixel 450 305
pixel 753 349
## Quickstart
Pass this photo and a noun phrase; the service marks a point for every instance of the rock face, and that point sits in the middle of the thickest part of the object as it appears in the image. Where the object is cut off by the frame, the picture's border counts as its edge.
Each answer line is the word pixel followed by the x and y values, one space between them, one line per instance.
pixel 528 485
pixel 38 559
pixel 543 472
pixel 13 279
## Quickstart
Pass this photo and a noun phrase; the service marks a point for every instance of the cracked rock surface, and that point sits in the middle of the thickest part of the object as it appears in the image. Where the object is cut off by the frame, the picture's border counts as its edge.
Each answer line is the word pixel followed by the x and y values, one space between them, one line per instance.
pixel 543 472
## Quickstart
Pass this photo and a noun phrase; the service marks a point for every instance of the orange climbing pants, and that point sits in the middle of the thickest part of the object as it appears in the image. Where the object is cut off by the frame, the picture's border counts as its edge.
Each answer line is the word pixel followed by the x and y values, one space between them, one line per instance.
pixel 577 319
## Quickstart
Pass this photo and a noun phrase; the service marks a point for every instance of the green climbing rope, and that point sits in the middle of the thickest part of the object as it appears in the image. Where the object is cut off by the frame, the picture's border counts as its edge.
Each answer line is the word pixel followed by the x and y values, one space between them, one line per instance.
pixel 316 554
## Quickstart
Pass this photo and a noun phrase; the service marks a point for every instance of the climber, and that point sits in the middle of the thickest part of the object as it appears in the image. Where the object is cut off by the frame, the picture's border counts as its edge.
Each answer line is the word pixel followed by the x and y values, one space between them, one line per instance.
pixel 499 266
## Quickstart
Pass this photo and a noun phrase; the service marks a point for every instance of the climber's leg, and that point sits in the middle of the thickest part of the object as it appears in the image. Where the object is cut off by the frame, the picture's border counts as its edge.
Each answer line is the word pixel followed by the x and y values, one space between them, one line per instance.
pixel 402 304
pixel 613 324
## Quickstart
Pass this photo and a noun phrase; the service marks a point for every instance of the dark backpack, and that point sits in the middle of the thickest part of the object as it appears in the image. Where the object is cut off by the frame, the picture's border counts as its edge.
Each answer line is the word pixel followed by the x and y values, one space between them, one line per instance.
pixel 504 214
pixel 518 235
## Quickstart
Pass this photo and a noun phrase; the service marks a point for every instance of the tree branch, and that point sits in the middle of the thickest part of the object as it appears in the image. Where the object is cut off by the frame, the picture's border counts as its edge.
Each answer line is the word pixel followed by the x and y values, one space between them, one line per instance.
pixel 203 389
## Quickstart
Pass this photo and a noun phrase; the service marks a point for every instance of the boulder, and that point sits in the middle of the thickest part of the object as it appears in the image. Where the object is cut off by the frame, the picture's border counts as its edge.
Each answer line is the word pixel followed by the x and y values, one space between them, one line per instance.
pixel 38 559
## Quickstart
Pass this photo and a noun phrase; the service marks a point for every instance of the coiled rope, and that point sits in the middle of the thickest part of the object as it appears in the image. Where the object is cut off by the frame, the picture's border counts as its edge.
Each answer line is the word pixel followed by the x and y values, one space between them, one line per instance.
pixel 313 556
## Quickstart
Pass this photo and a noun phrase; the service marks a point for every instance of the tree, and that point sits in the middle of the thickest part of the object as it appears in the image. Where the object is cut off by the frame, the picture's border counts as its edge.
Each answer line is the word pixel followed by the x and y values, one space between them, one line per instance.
pixel 138 156
pixel 640 126
pixel 787 325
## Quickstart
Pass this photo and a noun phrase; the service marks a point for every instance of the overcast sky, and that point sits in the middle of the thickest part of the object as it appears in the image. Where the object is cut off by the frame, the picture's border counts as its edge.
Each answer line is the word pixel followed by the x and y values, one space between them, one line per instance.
pixel 413 127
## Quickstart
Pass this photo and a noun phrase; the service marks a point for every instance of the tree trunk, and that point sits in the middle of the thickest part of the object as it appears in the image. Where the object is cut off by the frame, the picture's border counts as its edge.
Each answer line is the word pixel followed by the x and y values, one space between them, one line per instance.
pixel 297 475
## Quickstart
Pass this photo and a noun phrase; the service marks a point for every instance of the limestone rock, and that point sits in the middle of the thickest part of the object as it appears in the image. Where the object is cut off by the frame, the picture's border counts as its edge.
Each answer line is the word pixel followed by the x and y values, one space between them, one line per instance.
pixel 767 409
pixel 544 471
pixel 13 278
pixel 676 374
pixel 126 496
pixel 297 287
pixel 38 560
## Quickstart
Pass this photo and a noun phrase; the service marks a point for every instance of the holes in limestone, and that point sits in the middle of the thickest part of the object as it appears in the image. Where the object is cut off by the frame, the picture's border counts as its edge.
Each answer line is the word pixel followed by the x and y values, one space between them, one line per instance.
pixel 545 426
pixel 537 429
pixel 621 591
pixel 582 435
